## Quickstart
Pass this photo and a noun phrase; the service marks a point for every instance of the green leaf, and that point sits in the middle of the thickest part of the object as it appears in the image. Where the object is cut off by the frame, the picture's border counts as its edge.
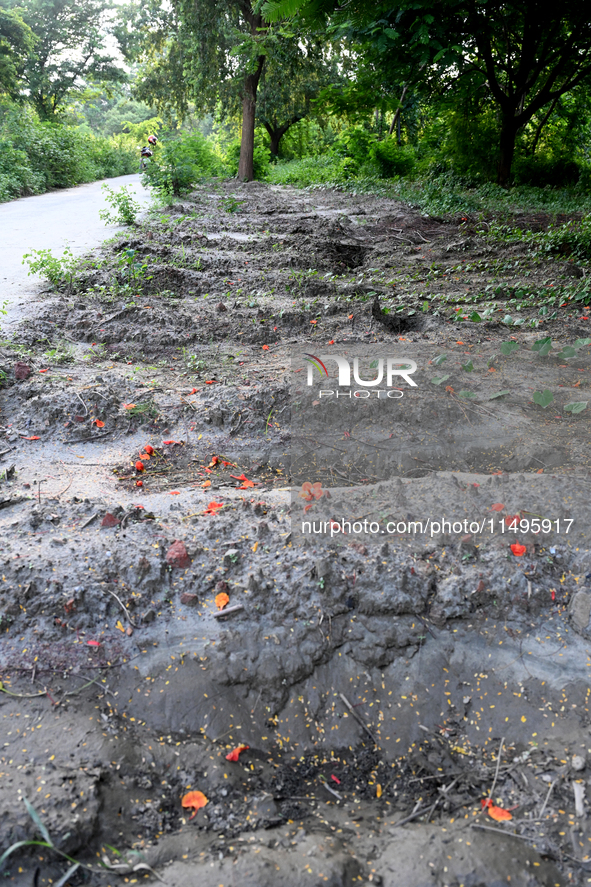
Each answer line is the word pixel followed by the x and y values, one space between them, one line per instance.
pixel 499 394
pixel 567 351
pixel 35 817
pixel 543 398
pixel 577 407
pixel 425 306
pixel 439 360
pixel 508 319
pixel 475 317
pixel 543 346
pixel 19 844
pixel 580 343
pixel 468 367
pixel 437 380
pixel 373 364
pixel 466 393
pixel 508 348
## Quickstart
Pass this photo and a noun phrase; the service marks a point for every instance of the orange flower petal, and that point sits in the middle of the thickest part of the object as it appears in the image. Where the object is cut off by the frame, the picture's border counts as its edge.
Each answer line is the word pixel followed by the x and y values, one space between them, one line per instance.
pixel 235 753
pixel 499 814
pixel 99 423
pixel 518 550
pixel 265 347
pixel 194 801
pixel 139 466
pixel 498 506
pixel 128 406
pixel 148 449
pixel 222 600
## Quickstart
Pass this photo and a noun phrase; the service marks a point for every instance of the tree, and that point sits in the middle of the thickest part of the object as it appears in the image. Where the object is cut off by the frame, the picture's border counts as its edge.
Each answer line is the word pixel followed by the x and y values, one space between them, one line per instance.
pixel 295 72
pixel 528 53
pixel 16 41
pixel 69 51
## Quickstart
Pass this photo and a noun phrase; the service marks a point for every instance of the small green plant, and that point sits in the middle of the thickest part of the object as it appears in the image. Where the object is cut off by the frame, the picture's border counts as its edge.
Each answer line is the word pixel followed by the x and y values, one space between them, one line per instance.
pixel 62 352
pixel 55 269
pixel 125 208
pixel 231 204
pixel 543 398
pixel 576 407
pixel 132 264
pixel 143 411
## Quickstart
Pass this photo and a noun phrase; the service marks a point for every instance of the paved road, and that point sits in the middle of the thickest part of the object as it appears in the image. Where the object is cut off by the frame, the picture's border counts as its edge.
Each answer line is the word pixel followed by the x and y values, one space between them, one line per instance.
pixel 50 221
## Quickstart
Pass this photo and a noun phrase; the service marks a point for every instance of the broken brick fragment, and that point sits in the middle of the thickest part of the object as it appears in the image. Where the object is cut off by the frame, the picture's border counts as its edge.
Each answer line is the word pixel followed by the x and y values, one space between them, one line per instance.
pixel 177 556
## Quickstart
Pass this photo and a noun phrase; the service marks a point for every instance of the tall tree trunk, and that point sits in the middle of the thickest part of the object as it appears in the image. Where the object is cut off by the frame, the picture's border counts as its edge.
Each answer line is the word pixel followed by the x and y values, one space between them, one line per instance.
pixel 249 106
pixel 509 128
pixel 541 126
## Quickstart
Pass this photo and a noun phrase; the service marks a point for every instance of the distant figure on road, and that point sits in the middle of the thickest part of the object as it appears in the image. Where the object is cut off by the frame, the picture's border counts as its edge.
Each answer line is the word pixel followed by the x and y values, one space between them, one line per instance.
pixel 145 152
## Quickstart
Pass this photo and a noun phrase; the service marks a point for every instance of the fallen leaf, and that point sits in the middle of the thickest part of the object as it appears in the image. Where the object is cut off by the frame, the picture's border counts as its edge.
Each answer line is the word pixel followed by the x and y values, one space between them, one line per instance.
pixel 35 437
pixel 206 484
pixel 214 507
pixel 119 625
pixel 518 550
pixel 499 814
pixel 498 506
pixel 512 520
pixel 109 520
pixel 255 546
pixel 144 456
pixel 194 801
pixel 378 790
pixel 128 406
pixel 235 753
pixel 222 600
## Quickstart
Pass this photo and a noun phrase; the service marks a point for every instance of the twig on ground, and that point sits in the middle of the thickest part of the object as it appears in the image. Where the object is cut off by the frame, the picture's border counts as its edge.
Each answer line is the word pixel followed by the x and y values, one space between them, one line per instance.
pixel 492 788
pixel 122 605
pixel 359 719
pixel 228 610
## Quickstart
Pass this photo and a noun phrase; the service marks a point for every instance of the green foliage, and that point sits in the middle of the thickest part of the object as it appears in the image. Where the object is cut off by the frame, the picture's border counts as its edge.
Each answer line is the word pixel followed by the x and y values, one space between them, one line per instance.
pixel 392 159
pixel 56 269
pixel 125 208
pixel 570 239
pixel 35 157
pixel 180 163
pixel 576 406
pixel 69 51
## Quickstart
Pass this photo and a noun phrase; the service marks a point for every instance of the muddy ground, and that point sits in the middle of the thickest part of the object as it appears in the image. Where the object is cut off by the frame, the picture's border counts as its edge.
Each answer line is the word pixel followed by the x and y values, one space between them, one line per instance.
pixel 385 687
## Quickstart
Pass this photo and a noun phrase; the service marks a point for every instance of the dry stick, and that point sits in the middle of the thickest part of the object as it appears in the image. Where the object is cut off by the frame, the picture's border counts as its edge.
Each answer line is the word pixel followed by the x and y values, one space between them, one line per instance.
pixel 546 800
pixel 358 718
pixel 418 811
pixel 89 521
pixel 488 828
pixel 497 770
pixel 227 610
pixel 82 402
pixel 122 605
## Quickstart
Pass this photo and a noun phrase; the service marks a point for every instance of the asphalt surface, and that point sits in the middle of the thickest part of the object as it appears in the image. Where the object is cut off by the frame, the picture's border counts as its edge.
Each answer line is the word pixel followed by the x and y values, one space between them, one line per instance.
pixel 59 219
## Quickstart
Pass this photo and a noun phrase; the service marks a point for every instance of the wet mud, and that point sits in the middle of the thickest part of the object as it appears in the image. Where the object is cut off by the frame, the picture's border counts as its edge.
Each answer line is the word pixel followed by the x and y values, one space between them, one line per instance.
pixel 389 691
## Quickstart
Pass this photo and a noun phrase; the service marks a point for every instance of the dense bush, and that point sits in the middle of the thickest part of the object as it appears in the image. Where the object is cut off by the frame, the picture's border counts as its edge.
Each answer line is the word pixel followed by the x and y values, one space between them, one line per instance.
pixel 180 161
pixel 36 157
